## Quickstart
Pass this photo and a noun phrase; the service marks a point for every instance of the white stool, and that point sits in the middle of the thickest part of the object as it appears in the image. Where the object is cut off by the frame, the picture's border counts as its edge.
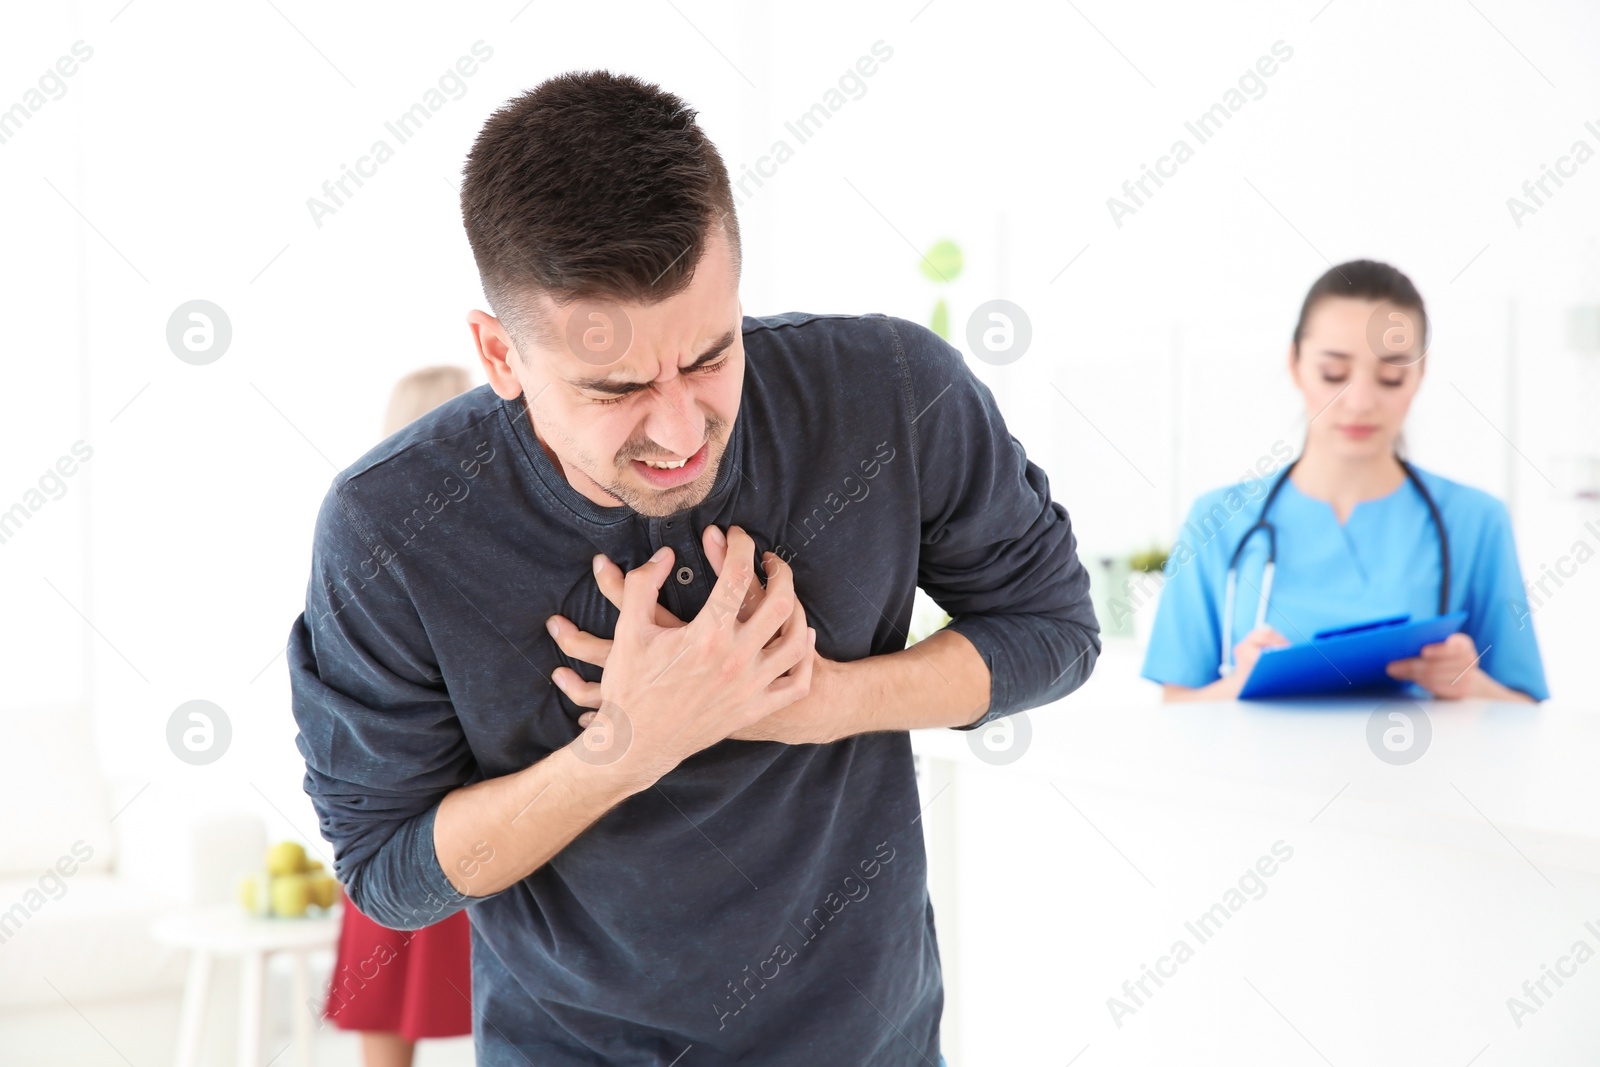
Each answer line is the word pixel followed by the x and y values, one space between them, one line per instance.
pixel 225 930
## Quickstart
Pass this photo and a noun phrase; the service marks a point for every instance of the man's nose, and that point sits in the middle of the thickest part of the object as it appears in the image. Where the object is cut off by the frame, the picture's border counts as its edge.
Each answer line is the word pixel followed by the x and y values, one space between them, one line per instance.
pixel 675 422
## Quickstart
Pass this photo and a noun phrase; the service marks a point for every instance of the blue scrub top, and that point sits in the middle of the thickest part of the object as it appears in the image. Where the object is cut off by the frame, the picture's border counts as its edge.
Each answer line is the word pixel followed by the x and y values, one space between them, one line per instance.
pixel 1384 560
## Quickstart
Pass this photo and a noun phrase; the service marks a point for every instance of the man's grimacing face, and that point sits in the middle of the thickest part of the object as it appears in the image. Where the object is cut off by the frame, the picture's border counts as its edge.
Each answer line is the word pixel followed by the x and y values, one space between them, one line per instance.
pixel 624 383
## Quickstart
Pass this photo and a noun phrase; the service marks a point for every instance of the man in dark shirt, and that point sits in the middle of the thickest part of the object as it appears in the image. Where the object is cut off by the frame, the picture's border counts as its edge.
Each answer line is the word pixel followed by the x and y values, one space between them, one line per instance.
pixel 722 861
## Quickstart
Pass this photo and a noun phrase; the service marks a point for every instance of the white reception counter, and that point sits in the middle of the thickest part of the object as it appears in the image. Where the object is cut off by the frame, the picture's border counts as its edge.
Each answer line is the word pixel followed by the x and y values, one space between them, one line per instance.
pixel 1242 883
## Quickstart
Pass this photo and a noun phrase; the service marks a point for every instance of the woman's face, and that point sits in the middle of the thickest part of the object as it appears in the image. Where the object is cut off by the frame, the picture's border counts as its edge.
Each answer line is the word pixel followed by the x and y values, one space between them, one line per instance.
pixel 1359 365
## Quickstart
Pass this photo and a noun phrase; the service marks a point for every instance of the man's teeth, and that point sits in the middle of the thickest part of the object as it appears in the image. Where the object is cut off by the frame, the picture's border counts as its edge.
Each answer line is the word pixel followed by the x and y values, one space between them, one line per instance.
pixel 664 466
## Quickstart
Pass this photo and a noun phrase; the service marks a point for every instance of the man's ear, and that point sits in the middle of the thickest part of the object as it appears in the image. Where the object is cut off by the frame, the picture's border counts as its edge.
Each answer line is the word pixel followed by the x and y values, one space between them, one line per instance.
pixel 496 352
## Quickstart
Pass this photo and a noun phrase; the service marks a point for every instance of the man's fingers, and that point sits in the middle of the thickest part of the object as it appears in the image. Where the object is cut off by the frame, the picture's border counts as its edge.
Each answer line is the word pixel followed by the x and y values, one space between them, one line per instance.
pixel 582 693
pixel 641 591
pixel 734 582
pixel 609 577
pixel 715 542
pixel 790 648
pixel 795 684
pixel 577 643
pixel 777 603
pixel 795 621
pixel 790 642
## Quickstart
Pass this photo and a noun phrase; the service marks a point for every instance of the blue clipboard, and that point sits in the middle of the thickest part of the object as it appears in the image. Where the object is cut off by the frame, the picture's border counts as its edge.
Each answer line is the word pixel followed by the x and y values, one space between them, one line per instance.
pixel 1346 659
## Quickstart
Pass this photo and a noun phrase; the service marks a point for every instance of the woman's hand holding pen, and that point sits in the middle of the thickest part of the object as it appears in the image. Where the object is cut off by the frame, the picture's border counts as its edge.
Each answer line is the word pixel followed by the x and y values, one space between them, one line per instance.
pixel 1246 652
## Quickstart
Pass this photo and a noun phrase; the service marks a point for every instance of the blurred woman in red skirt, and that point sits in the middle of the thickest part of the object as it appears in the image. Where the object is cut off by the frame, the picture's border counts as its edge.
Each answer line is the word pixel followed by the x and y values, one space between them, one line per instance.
pixel 399 986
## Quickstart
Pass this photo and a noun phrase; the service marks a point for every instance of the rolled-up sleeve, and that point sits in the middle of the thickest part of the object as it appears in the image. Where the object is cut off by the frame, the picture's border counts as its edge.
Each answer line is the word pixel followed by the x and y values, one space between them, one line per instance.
pixel 997 553
pixel 378 732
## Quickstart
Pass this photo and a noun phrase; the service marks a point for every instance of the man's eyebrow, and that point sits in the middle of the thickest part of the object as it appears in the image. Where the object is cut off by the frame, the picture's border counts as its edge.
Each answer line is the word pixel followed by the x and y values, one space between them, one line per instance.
pixel 622 387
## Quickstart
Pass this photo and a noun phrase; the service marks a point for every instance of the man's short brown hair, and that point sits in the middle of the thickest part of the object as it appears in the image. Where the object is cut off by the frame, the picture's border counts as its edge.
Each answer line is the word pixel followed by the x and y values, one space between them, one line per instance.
pixel 592 185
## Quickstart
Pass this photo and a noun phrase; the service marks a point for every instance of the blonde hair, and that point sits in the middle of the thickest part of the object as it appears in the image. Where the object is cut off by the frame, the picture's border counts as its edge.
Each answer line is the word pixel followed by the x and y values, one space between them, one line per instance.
pixel 420 392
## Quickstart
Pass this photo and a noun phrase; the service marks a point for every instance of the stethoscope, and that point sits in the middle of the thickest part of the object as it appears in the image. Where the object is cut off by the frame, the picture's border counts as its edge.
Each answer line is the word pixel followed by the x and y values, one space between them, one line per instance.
pixel 1272 554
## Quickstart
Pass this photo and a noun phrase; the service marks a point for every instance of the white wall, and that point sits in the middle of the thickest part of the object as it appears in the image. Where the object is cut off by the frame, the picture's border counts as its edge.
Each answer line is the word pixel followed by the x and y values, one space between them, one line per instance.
pixel 43 546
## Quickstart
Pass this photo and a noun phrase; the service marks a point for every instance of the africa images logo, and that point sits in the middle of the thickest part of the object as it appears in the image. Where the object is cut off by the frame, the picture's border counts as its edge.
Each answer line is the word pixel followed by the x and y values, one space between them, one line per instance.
pixel 852 889
pixel 1202 929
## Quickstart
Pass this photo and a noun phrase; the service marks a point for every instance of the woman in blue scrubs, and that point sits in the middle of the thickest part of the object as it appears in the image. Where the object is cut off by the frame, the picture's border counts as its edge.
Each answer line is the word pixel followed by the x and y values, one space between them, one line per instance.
pixel 1358 534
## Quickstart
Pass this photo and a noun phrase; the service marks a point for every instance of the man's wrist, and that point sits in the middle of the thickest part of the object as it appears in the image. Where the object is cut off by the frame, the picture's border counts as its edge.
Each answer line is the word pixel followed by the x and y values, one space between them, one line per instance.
pixel 609 772
pixel 891 691
pixel 830 682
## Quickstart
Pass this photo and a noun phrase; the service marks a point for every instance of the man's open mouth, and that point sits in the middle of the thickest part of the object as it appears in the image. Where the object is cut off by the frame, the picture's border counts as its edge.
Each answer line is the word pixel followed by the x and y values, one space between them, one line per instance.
pixel 670 473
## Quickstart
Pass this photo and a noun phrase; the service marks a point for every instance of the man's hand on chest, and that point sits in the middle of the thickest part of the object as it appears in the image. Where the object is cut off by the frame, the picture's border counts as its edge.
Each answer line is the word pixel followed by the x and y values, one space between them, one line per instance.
pixel 805 721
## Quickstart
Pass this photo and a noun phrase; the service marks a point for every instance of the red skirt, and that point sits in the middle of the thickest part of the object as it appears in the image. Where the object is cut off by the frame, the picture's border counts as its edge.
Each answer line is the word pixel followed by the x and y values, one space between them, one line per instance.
pixel 416 983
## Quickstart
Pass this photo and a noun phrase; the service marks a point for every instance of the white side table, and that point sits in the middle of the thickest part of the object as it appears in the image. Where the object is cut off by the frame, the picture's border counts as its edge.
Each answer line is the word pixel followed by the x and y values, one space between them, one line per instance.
pixel 225 930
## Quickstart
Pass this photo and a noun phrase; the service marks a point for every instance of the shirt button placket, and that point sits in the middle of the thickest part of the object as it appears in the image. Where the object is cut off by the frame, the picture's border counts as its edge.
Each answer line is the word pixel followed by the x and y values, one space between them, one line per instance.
pixel 687 577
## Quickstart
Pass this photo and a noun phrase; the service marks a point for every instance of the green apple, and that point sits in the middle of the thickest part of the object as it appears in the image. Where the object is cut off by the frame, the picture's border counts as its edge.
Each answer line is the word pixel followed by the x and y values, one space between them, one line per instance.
pixel 942 262
pixel 253 894
pixel 291 895
pixel 286 857
pixel 324 890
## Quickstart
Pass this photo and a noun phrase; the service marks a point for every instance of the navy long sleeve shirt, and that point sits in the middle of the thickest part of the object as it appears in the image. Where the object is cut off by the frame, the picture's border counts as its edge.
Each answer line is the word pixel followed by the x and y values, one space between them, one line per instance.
pixel 762 903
